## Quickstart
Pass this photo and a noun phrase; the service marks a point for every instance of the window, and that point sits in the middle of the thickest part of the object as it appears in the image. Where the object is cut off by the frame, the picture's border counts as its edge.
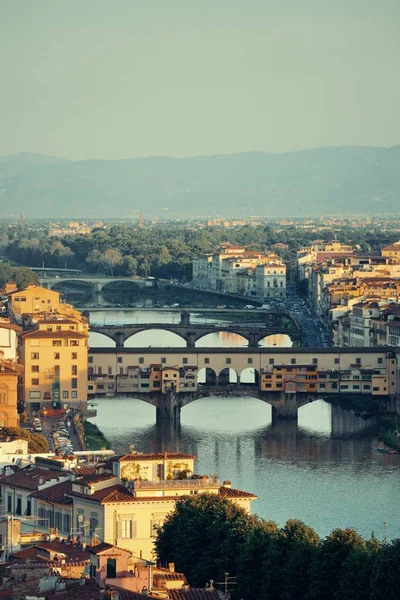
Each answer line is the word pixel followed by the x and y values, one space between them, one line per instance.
pixel 155 523
pixel 344 387
pixel 334 385
pixel 74 383
pixel 28 511
pixel 126 528
pixel 356 387
pixel 42 515
pixel 57 342
pixel 184 361
pixel 322 386
pixel 58 328
pixel 249 361
pixel 35 381
pixel 74 394
pixel 315 361
pixel 72 343
pixel 358 361
pixel 74 370
pixel 35 355
pixel 93 523
pixel 74 356
pixel 109 370
pixel 380 360
pixel 56 356
pixel 18 508
pixel 163 361
pixel 271 361
pixel 119 359
pixel 58 520
pixel 34 395
pixel 90 370
pixel 337 361
pixel 99 370
pixel 65 394
pixel 121 370
pixel 228 361
pixel 35 368
pixel 90 359
pixel 49 328
pixel 141 360
pixel 292 361
pixel 67 522
pixel 366 386
pixel 206 361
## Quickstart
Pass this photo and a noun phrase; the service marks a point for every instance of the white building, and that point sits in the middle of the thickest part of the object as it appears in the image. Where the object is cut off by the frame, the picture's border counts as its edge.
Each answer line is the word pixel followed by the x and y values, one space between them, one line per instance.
pixel 8 339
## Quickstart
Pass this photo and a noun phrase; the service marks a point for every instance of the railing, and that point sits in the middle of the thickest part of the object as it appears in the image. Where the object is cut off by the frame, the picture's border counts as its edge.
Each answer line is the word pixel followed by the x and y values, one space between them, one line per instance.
pixel 177 483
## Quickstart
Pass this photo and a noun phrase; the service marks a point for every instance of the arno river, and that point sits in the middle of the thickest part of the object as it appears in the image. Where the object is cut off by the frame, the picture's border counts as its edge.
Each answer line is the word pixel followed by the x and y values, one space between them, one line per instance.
pixel 322 470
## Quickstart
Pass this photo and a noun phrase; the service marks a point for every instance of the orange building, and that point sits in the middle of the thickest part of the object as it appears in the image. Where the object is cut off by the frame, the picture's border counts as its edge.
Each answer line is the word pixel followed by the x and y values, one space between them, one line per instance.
pixel 9 374
pixel 55 356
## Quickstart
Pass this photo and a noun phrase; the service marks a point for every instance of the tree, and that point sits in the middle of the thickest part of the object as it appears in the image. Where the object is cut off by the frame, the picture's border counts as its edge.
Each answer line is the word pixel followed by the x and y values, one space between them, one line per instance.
pixel 203 537
pixel 385 583
pixel 332 556
pixel 129 266
pixel 23 276
pixel 36 443
pixel 111 258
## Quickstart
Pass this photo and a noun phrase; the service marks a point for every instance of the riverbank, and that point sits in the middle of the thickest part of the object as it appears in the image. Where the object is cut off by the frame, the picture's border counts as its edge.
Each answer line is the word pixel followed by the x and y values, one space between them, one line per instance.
pixel 370 408
pixel 95 439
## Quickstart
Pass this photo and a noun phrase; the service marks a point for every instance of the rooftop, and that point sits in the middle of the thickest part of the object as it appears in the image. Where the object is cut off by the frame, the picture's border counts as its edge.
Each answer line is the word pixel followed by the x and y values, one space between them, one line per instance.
pixel 137 456
pixel 30 478
pixel 58 493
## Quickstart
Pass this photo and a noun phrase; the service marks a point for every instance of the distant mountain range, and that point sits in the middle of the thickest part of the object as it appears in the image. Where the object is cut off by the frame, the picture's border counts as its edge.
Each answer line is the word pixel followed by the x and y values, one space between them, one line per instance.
pixel 332 180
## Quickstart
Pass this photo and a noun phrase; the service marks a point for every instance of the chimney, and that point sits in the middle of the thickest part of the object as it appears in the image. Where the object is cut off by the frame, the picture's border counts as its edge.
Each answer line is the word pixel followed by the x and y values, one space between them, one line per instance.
pixel 227 483
pixel 171 567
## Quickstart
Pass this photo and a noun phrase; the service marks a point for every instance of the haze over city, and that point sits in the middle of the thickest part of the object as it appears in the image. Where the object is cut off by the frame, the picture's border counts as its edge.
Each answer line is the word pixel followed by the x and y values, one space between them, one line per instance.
pixel 123 79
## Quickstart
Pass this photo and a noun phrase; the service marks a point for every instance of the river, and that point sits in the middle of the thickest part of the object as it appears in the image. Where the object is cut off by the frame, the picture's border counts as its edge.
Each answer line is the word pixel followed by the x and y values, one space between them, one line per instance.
pixel 322 470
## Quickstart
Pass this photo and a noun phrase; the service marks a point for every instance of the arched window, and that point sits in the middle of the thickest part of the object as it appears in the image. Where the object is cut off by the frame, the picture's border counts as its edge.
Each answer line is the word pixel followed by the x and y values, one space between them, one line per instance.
pixel 3 394
pixel 3 420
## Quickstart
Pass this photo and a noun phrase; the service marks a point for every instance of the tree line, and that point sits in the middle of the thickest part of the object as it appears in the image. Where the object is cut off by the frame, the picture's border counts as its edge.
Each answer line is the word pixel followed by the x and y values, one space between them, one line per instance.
pixel 207 536
pixel 22 276
pixel 163 250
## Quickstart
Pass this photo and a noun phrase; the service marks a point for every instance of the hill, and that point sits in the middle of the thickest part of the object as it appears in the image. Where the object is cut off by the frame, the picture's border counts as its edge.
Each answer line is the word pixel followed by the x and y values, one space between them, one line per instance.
pixel 330 180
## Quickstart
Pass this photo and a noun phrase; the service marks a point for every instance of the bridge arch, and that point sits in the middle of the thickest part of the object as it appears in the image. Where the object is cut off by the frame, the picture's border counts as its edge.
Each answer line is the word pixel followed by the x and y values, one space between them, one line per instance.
pixel 206 376
pixel 228 376
pixel 225 341
pixel 148 337
pixel 249 376
pixel 278 340
pixel 101 340
pixel 62 283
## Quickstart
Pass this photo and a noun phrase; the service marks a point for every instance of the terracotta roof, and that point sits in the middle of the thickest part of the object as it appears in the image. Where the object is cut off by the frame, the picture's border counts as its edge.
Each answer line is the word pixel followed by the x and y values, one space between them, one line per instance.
pixel 30 478
pixel 72 551
pixel 53 334
pixel 59 493
pixel 89 591
pixel 81 470
pixel 194 594
pixel 168 576
pixel 114 493
pixel 232 493
pixel 162 456
pixel 103 547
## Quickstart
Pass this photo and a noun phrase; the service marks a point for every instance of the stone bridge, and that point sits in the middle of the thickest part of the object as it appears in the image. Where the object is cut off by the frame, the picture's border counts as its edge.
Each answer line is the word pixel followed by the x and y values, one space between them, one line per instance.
pixel 169 405
pixel 190 332
pixel 96 282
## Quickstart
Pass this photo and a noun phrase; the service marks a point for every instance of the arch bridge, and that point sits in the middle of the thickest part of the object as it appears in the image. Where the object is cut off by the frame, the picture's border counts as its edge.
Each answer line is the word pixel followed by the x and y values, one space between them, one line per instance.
pixel 95 282
pixel 191 333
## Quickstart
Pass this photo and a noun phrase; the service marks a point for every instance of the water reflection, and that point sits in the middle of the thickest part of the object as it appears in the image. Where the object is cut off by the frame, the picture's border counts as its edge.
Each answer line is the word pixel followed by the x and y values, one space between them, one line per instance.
pixel 322 470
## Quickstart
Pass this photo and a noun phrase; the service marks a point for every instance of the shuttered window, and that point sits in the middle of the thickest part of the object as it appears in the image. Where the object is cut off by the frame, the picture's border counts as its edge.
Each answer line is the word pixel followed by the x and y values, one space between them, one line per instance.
pixel 127 527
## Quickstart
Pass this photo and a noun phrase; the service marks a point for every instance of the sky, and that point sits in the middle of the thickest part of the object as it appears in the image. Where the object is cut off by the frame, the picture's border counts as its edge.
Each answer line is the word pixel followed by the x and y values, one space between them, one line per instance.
pixel 126 78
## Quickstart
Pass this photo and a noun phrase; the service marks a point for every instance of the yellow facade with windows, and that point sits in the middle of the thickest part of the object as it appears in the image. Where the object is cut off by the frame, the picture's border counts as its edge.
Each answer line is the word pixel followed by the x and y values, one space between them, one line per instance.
pixel 33 300
pixel 54 356
pixel 9 373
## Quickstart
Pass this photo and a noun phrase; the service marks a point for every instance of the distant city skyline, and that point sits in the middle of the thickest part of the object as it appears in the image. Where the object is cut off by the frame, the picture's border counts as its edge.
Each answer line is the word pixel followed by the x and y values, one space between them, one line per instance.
pixel 95 79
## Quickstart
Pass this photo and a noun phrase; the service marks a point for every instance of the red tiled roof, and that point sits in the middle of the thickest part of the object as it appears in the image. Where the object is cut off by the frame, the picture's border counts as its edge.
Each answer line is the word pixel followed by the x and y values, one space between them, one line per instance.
pixel 232 493
pixel 103 547
pixel 114 493
pixel 194 594
pixel 59 493
pixel 30 478
pixel 54 334
pixel 163 456
pixel 72 551
pixel 89 591
pixel 81 470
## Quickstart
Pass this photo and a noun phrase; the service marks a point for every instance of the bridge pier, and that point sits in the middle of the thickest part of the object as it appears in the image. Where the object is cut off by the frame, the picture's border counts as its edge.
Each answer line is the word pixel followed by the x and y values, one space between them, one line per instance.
pixel 169 408
pixel 286 407
pixel 253 340
pixel 191 339
pixel 120 339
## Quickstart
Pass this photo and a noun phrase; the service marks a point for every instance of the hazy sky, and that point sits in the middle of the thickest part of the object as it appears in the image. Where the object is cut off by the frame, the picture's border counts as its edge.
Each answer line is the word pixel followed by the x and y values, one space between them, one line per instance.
pixel 125 78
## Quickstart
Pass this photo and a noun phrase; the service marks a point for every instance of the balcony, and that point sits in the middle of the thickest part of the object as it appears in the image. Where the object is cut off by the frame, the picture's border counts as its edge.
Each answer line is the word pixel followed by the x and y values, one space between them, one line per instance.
pixel 177 484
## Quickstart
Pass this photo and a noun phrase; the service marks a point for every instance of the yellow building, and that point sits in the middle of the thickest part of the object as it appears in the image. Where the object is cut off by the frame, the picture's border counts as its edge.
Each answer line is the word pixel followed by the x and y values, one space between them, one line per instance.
pixel 55 356
pixel 9 374
pixel 33 300
pixel 128 515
